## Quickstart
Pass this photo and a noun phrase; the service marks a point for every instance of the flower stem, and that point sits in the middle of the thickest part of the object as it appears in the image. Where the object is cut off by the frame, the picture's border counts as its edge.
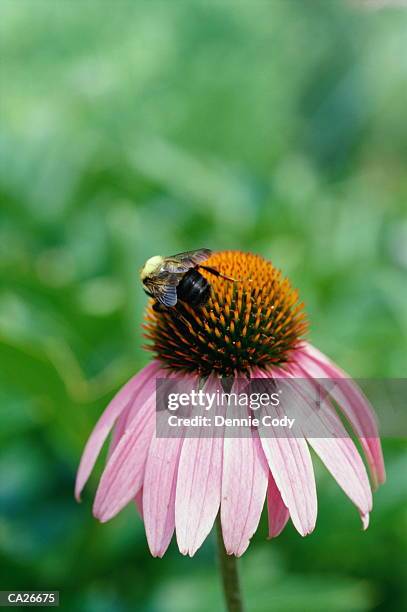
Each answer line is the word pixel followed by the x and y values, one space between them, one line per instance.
pixel 230 575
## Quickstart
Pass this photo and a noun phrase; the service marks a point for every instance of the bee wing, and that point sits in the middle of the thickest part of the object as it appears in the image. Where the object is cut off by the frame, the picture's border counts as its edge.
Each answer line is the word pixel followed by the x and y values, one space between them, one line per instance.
pixel 182 262
pixel 164 288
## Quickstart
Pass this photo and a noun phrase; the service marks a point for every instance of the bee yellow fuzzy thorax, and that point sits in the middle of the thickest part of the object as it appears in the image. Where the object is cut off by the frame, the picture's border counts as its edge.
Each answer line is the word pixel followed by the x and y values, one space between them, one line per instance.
pixel 256 321
pixel 151 266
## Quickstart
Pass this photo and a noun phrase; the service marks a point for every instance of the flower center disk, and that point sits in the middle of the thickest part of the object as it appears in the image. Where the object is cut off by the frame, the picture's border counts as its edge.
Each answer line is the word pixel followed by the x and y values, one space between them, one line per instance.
pixel 255 321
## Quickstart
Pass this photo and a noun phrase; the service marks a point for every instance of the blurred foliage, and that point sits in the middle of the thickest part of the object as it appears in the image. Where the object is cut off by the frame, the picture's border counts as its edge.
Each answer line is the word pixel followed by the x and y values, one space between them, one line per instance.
pixel 130 128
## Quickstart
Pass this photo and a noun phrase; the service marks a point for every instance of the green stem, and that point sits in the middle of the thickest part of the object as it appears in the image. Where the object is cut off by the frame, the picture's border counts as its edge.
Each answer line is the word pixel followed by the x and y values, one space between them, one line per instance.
pixel 230 575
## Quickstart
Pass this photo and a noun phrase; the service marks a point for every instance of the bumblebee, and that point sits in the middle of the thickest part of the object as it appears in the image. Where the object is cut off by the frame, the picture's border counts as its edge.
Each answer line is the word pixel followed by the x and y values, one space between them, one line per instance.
pixel 169 279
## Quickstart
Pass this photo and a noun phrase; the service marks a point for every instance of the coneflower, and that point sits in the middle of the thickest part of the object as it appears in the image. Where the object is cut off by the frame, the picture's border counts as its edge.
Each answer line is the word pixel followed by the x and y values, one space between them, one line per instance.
pixel 253 328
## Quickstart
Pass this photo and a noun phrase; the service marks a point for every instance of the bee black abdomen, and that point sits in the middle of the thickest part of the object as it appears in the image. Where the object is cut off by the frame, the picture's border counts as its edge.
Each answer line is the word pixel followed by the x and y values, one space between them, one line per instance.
pixel 193 289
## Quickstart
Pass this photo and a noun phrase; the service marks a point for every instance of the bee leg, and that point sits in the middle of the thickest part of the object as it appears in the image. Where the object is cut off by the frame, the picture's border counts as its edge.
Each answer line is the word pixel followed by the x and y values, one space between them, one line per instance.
pixel 217 273
pixel 158 307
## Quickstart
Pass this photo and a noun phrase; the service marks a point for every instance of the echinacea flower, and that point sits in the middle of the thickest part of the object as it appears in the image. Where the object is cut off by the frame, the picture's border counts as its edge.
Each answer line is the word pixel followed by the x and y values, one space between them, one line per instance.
pixel 253 328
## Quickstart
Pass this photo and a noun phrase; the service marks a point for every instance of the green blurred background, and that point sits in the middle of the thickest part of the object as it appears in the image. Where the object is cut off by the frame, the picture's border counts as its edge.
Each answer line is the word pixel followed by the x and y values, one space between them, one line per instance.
pixel 129 129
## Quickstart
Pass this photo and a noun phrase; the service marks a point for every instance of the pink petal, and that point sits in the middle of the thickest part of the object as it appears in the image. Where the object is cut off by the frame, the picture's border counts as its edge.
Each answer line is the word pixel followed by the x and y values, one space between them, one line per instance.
pixel 342 459
pixel 126 417
pixel 138 500
pixel 107 420
pixel 198 485
pixel 123 475
pixel 145 393
pixel 159 492
pixel 290 463
pixel 244 486
pixel 352 402
pixel 333 444
pixel 119 428
pixel 278 513
pixel 160 480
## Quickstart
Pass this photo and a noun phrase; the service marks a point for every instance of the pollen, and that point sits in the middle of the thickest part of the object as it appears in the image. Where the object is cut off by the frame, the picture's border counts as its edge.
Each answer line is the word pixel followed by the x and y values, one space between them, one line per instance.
pixel 254 320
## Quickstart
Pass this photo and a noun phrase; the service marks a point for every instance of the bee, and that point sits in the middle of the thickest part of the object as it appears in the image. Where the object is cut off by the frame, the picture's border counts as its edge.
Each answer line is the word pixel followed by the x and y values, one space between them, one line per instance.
pixel 169 279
